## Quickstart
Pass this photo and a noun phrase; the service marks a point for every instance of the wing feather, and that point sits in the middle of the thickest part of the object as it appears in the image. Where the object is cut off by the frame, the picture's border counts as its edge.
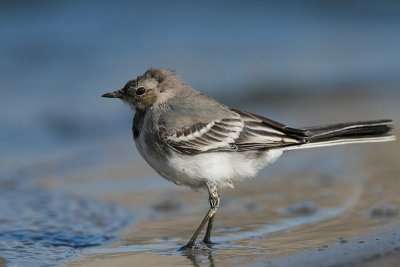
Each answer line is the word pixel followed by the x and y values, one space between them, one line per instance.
pixel 241 132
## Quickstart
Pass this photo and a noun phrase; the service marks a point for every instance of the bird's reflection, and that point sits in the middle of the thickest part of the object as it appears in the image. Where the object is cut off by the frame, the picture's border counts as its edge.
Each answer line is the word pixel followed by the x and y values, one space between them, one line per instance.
pixel 200 257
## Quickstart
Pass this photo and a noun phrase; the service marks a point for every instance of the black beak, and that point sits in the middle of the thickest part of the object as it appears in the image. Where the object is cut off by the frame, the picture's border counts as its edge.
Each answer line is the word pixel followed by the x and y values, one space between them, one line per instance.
pixel 116 94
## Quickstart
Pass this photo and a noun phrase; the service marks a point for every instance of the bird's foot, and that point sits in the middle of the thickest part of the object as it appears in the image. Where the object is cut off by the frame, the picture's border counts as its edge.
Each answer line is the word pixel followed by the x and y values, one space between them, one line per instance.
pixel 198 245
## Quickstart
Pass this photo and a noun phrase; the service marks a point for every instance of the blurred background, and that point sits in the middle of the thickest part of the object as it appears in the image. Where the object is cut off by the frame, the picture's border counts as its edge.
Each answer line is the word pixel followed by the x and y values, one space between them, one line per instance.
pixel 300 62
pixel 59 57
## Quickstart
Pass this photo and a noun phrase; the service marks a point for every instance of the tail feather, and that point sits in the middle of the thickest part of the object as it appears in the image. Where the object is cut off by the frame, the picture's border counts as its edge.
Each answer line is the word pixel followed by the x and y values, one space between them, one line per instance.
pixel 346 133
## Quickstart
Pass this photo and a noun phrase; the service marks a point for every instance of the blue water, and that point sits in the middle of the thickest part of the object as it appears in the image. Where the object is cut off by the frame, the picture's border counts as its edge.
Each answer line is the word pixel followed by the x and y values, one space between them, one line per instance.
pixel 57 58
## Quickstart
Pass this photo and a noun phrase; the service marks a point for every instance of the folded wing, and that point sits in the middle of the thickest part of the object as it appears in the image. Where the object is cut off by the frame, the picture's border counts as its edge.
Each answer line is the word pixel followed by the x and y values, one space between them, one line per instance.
pixel 240 132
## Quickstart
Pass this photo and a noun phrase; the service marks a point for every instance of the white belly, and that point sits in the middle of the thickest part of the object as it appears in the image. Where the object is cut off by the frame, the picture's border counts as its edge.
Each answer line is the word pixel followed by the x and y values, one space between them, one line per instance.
pixel 223 168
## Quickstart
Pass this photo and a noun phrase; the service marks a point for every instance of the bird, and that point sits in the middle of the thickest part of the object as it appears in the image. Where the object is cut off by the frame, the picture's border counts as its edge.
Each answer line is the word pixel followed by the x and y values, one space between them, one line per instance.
pixel 193 140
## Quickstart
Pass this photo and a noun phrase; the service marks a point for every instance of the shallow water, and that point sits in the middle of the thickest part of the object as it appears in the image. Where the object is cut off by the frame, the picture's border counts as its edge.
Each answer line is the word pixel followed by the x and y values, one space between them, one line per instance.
pixel 40 227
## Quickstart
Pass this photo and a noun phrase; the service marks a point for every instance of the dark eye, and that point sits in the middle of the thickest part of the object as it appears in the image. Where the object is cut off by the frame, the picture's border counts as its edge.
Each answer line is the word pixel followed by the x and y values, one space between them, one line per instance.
pixel 140 91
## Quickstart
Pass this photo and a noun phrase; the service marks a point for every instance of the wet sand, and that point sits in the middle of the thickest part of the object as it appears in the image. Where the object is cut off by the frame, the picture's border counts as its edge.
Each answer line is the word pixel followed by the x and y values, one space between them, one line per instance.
pixel 320 207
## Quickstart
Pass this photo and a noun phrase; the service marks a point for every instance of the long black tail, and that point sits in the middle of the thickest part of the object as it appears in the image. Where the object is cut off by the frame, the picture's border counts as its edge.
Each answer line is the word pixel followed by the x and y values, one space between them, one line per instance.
pixel 346 133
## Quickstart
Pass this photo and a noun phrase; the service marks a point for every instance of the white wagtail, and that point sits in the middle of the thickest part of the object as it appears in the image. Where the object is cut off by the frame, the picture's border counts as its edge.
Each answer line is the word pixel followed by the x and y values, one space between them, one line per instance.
pixel 193 140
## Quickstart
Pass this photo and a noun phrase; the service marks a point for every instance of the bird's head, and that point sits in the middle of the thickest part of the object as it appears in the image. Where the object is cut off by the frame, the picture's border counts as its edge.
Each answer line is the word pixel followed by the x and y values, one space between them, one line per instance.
pixel 154 87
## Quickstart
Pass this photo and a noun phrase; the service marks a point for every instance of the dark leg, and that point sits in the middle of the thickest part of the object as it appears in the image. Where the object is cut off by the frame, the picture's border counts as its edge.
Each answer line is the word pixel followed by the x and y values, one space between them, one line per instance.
pixel 207 237
pixel 214 203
